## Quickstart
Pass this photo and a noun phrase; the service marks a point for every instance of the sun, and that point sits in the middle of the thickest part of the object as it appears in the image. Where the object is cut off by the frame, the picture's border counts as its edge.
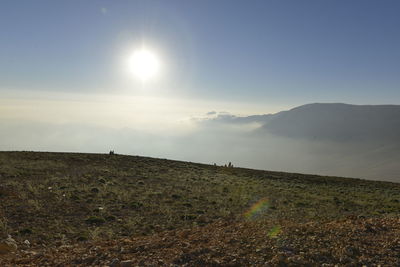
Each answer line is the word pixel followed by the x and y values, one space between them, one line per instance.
pixel 144 64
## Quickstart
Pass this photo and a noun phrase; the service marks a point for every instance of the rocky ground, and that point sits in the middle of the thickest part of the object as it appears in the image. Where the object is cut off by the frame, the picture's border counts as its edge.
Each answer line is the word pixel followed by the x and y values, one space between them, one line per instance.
pixel 345 242
pixel 60 209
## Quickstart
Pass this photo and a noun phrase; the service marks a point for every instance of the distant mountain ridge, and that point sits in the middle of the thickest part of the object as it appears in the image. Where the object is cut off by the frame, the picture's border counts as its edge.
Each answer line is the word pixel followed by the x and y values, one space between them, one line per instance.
pixel 330 121
pixel 338 122
pixel 330 138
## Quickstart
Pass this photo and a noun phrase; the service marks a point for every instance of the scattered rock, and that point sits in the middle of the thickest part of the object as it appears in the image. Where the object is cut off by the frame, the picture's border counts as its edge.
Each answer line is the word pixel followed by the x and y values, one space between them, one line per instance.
pixel 114 263
pixel 128 263
pixel 94 190
pixel 8 245
pixel 95 220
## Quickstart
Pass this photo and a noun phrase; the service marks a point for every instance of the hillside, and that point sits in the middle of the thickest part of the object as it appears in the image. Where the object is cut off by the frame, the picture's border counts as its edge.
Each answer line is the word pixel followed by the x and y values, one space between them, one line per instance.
pixel 99 209
pixel 339 122
pixel 334 122
pixel 325 138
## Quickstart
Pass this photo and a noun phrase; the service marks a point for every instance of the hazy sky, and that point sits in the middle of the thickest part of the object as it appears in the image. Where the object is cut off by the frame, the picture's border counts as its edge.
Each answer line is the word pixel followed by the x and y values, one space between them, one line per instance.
pixel 262 52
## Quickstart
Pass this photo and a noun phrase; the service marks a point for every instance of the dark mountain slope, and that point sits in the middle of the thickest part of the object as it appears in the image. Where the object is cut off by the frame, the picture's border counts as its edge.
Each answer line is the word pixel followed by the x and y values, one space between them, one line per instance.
pixel 333 139
pixel 338 122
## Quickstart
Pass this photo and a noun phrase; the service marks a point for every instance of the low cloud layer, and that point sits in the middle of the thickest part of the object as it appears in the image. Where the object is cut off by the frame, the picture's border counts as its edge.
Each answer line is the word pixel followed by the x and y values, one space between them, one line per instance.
pixel 215 138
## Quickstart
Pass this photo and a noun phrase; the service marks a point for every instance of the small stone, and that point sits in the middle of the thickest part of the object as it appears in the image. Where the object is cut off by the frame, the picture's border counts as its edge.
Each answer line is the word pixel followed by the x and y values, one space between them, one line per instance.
pixel 8 245
pixel 128 263
pixel 89 260
pixel 114 263
pixel 94 190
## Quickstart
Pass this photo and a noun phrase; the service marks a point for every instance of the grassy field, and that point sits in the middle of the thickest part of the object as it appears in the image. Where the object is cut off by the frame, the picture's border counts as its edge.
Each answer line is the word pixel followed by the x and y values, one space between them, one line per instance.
pixel 64 199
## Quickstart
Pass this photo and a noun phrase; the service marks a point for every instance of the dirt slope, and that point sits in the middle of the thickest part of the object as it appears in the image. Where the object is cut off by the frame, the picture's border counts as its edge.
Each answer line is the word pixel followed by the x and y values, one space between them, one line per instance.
pixel 65 209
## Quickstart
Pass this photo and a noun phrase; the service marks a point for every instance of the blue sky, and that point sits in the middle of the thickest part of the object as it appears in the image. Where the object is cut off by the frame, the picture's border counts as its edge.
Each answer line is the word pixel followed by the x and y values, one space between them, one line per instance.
pixel 262 52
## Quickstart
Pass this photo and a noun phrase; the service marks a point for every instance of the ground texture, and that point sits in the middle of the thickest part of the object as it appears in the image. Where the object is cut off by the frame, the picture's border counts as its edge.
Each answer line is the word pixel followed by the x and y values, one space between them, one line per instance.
pixel 111 210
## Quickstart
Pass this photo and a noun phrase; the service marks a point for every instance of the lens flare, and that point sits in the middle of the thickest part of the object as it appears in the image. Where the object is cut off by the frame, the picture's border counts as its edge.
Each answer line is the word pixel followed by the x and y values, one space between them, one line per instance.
pixel 257 208
pixel 274 232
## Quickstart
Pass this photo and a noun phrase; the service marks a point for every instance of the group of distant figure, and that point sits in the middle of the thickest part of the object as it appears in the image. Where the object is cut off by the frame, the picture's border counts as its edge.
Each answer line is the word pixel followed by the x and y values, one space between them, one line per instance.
pixel 230 165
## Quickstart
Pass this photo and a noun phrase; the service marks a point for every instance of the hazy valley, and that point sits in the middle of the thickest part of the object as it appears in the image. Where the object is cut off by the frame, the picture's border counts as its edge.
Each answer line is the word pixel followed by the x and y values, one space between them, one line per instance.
pixel 328 139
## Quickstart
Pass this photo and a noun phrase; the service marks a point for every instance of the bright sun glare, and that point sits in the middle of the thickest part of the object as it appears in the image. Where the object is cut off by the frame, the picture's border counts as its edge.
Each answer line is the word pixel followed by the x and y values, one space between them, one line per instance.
pixel 144 64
